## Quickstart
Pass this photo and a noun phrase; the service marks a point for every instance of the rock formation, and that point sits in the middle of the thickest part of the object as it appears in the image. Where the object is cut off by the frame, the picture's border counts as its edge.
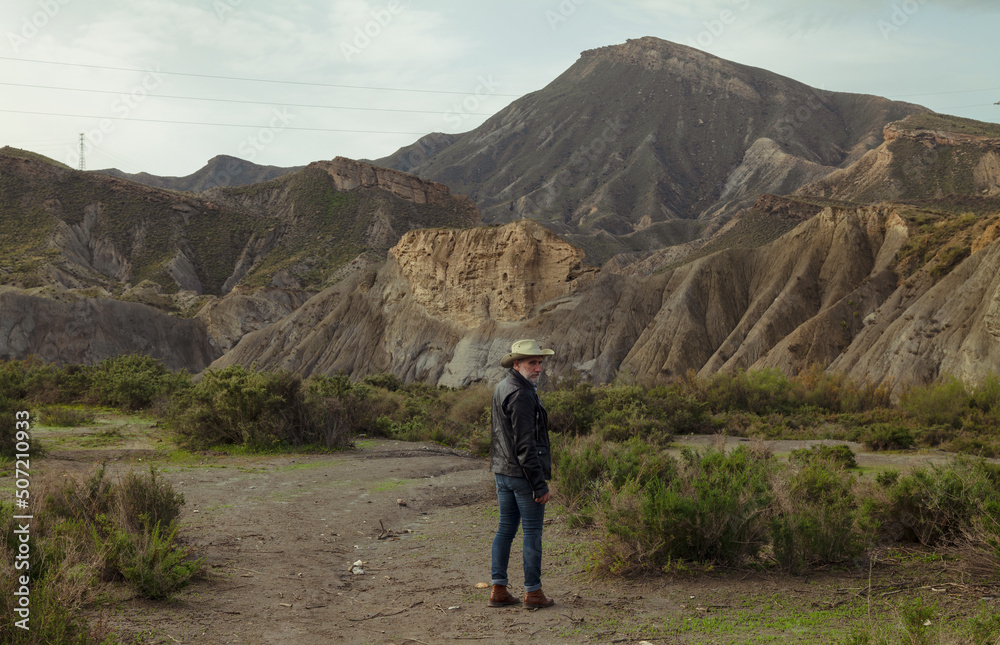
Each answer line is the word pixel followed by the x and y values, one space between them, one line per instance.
pixel 830 292
pixel 88 330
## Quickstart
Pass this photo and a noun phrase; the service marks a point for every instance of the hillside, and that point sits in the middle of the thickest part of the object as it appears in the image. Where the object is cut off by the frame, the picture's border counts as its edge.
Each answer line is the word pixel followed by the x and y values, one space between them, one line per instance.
pixel 221 170
pixel 639 141
pixel 71 229
pixel 832 291
pixel 925 156
pixel 890 281
pixel 90 240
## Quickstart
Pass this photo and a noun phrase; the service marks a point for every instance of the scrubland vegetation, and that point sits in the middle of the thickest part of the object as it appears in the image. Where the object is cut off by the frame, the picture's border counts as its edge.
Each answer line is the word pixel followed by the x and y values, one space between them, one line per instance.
pixel 655 507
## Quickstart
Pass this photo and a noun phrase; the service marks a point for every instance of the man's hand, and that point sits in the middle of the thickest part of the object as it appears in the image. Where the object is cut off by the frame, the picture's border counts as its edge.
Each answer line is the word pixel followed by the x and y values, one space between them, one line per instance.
pixel 544 498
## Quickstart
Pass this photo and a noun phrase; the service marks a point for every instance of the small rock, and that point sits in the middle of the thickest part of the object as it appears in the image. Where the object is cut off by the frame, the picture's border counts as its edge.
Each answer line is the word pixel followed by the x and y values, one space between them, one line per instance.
pixel 454 607
pixel 401 502
pixel 482 585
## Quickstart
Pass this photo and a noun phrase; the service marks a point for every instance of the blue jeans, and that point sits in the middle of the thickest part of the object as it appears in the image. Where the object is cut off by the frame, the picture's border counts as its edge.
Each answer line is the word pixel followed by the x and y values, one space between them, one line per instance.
pixel 518 506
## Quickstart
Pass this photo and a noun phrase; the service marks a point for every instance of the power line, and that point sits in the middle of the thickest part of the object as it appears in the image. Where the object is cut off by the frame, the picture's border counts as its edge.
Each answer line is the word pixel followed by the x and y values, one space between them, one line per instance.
pixel 239 78
pixel 201 98
pixel 218 125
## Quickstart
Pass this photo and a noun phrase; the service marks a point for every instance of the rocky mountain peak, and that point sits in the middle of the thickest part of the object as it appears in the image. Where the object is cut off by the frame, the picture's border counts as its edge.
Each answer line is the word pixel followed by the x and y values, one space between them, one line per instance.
pixel 649 52
pixel 651 143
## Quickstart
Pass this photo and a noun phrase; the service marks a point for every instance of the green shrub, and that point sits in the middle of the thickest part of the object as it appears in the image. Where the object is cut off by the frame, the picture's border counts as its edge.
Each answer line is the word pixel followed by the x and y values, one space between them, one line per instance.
pixel 886 436
pixel 8 426
pixel 584 468
pixel 680 412
pixel 145 501
pixel 260 410
pixel 820 520
pixel 363 405
pixel 714 510
pixel 620 411
pixel 840 455
pixel 469 417
pixel 152 562
pixel 941 403
pixel 13 375
pixel 384 380
pixel 324 386
pixel 984 628
pixel 760 392
pixel 48 384
pixel 571 411
pixel 633 421
pixel 83 501
pixel 939 505
pixel 986 396
pixel 53 617
pixel 132 381
pixel 887 478
pixel 412 430
pixel 87 531
pixel 819 388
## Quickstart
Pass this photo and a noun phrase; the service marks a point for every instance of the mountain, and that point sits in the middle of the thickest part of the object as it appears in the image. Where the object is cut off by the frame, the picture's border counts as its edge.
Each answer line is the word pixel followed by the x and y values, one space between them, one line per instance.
pixel 221 170
pixel 240 257
pixel 642 145
pixel 301 230
pixel 898 289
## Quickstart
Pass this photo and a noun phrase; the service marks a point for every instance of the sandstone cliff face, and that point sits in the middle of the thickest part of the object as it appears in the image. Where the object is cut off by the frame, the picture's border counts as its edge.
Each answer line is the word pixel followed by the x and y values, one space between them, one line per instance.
pixel 470 277
pixel 88 330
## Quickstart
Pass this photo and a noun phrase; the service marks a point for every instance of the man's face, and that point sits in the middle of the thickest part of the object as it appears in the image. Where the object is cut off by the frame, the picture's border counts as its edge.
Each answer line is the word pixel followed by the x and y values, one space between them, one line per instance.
pixel 530 368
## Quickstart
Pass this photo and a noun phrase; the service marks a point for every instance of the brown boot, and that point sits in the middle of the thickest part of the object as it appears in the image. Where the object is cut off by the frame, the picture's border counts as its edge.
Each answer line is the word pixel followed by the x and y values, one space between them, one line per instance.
pixel 537 600
pixel 500 597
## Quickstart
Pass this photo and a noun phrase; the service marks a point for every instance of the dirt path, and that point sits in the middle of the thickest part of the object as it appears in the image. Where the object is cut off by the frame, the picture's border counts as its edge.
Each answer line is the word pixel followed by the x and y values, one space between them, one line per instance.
pixel 280 535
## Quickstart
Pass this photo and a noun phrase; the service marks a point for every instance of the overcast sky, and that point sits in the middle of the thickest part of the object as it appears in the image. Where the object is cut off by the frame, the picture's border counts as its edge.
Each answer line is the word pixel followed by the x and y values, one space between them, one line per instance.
pixel 162 86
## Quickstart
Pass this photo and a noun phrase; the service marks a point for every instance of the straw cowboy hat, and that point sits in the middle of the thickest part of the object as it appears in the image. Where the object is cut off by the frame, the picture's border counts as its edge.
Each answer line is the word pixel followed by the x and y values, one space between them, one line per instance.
pixel 526 348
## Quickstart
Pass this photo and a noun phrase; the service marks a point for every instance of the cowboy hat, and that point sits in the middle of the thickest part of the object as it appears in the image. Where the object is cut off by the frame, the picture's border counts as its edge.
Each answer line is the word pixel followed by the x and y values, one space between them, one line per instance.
pixel 523 349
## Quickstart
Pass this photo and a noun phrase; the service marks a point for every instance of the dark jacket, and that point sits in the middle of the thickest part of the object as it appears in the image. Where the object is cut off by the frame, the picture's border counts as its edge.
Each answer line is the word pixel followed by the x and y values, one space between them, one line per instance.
pixel 519 446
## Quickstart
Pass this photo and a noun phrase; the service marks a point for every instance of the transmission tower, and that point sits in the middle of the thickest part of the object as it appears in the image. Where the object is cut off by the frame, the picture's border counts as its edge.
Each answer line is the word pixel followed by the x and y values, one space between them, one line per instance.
pixel 83 162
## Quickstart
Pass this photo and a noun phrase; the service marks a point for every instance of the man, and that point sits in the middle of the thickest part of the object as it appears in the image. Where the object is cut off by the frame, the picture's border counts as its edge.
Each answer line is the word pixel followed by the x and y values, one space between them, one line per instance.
pixel 520 463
